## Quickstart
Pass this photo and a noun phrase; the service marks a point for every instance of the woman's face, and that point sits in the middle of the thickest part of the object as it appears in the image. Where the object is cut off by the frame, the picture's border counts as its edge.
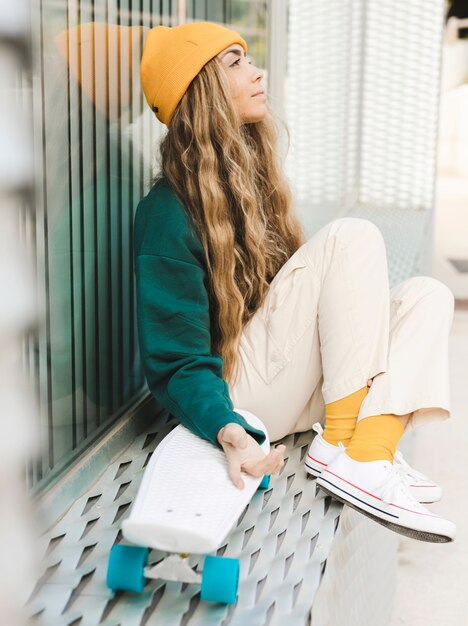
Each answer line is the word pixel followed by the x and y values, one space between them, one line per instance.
pixel 244 79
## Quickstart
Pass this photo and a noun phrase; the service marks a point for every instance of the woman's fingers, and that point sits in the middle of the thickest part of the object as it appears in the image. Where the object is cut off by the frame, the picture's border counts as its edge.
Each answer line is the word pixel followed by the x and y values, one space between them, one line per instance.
pixel 270 464
pixel 244 454
pixel 235 473
pixel 277 460
pixel 274 461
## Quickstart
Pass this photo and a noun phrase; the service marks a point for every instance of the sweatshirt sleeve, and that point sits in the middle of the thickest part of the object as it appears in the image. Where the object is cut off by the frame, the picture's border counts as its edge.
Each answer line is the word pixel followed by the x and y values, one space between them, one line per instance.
pixel 175 344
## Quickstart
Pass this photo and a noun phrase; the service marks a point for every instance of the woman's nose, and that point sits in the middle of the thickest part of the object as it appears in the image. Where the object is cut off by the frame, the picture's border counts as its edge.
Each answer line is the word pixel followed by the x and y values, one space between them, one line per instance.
pixel 257 73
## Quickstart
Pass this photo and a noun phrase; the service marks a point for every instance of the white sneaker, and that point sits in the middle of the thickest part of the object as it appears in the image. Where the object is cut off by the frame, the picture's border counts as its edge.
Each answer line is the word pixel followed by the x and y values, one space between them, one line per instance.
pixel 379 490
pixel 321 453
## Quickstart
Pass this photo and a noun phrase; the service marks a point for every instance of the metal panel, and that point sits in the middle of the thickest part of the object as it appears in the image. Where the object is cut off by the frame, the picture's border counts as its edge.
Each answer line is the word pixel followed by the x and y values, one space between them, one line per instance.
pixel 323 105
pixel 406 235
pixel 359 583
pixel 362 104
pixel 400 101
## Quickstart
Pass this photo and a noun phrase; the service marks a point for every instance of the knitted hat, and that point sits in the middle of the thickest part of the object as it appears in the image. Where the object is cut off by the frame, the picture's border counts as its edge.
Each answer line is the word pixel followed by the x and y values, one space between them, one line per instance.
pixel 173 56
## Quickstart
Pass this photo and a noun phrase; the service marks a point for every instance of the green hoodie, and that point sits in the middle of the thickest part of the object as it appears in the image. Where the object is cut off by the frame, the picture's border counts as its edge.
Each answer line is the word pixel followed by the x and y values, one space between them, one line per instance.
pixel 183 373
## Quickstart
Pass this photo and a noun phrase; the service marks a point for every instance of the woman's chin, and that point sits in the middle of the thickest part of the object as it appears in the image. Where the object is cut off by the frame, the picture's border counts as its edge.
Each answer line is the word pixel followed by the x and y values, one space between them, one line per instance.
pixel 257 116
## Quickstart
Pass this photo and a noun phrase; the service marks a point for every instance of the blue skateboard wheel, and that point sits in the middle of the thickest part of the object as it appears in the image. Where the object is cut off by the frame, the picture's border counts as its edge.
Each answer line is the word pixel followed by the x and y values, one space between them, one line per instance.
pixel 220 579
pixel 265 482
pixel 125 571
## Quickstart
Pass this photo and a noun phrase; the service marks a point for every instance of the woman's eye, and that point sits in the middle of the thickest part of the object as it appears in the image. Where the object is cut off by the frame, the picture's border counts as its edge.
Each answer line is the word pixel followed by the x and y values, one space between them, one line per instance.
pixel 238 61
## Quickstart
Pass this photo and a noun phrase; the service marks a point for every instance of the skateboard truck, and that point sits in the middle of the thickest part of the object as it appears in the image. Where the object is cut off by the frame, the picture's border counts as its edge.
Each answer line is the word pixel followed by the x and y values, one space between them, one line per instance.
pixel 173 567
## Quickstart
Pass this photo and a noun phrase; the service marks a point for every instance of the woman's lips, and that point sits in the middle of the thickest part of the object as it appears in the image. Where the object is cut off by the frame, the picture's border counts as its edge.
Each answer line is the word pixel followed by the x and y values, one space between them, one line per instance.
pixel 262 93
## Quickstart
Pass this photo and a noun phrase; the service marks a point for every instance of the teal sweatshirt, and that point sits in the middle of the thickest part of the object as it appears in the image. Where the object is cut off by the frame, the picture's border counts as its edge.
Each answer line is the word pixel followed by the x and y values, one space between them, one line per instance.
pixel 183 373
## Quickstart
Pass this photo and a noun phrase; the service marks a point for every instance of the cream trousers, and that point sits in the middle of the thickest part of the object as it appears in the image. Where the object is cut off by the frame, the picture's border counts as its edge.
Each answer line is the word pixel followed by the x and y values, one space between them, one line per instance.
pixel 330 322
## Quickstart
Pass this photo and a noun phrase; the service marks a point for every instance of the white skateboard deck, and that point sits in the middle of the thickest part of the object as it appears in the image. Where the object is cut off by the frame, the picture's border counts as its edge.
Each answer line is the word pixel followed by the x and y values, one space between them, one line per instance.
pixel 186 501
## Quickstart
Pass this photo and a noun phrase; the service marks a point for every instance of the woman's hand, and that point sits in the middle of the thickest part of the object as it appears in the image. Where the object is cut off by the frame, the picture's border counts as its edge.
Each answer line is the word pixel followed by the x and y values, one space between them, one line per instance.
pixel 244 453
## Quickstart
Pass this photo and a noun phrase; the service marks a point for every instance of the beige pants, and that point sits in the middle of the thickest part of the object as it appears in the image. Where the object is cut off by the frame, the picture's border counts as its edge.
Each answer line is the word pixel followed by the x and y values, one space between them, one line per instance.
pixel 330 322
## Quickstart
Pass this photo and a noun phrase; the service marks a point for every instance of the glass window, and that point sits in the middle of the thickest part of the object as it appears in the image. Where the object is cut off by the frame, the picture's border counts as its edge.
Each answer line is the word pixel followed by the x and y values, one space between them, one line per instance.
pixel 95 149
pixel 94 138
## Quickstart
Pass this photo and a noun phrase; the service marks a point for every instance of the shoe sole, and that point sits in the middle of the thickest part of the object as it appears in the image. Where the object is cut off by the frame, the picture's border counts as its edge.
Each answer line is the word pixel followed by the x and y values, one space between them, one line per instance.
pixel 429 501
pixel 401 530
pixel 312 470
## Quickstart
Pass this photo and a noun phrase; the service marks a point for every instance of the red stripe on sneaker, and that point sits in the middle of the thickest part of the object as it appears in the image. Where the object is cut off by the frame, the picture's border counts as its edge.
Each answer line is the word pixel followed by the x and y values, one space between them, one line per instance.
pixel 317 461
pixel 377 497
pixel 353 485
pixel 411 511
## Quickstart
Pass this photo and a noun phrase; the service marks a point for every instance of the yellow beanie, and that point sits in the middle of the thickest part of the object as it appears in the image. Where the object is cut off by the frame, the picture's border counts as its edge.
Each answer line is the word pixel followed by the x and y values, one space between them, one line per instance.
pixel 173 56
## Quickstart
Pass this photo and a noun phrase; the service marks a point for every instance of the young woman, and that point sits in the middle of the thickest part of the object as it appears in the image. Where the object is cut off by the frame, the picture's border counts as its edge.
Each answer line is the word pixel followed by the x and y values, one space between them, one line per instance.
pixel 237 308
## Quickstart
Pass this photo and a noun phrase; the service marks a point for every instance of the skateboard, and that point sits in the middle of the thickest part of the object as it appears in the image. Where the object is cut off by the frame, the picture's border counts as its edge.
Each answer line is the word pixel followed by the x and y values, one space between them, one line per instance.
pixel 186 504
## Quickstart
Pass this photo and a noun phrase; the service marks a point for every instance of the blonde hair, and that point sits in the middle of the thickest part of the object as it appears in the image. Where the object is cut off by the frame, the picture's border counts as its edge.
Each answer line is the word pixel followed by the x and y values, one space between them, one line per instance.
pixel 228 177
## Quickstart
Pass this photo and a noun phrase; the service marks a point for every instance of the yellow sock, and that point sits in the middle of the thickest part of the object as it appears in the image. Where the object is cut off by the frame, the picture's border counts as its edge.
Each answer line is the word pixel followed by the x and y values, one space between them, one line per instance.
pixel 375 438
pixel 341 416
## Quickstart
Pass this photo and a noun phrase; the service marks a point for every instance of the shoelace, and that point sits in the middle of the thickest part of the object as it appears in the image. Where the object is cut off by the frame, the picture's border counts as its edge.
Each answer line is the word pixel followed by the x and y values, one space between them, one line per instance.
pixel 398 458
pixel 397 478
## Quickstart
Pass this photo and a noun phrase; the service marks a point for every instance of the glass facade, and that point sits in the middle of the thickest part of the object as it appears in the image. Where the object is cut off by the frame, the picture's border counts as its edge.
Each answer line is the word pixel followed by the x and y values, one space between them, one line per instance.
pixel 95 149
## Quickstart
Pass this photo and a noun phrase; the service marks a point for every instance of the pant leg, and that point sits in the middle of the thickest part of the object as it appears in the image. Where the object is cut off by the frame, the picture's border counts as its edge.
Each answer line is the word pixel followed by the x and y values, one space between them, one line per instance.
pixel 322 330
pixel 417 376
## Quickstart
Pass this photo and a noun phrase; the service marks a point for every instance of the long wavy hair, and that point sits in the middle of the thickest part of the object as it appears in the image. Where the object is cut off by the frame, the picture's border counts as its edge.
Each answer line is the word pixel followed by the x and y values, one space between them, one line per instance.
pixel 227 175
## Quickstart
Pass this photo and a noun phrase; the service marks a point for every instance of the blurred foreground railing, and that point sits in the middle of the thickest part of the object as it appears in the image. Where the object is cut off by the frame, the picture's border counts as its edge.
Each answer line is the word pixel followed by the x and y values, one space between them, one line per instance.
pixel 17 314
